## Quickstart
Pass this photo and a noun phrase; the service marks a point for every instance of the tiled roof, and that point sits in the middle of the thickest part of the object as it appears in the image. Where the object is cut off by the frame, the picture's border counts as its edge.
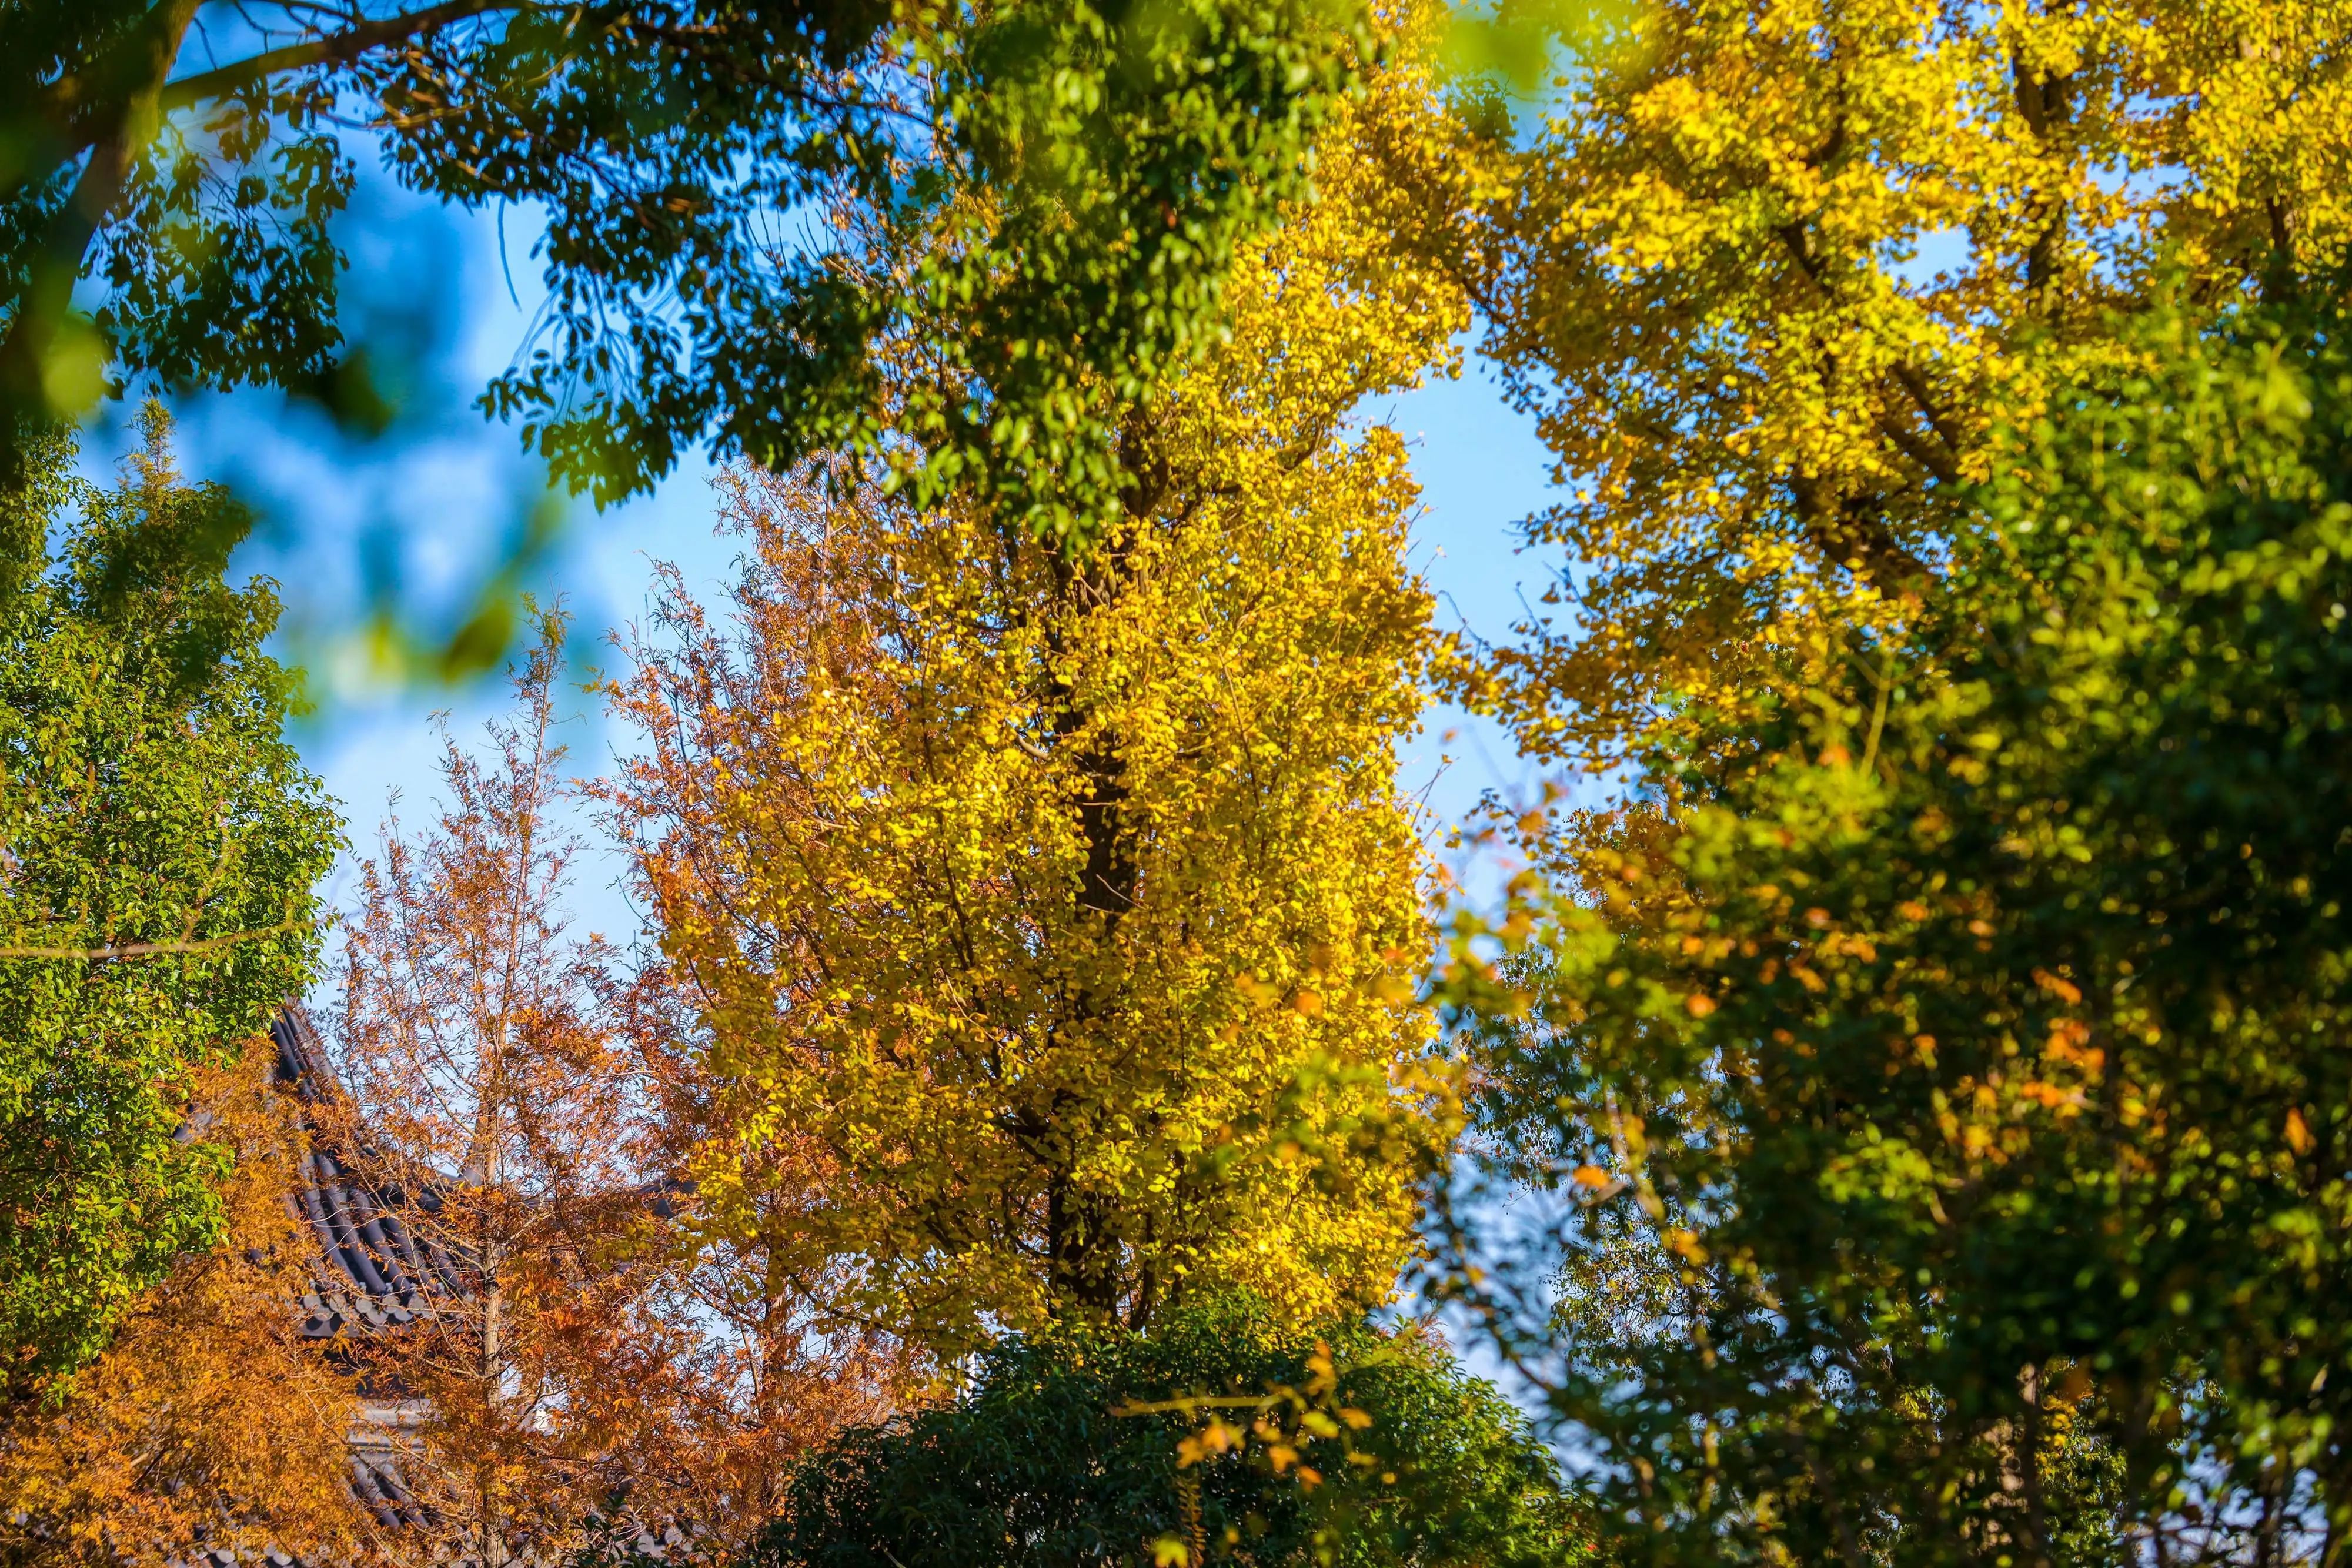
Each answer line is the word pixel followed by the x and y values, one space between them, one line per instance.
pixel 374 1270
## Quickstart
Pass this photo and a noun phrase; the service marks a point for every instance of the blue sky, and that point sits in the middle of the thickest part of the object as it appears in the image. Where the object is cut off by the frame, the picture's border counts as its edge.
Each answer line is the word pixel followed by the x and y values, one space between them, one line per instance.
pixel 433 502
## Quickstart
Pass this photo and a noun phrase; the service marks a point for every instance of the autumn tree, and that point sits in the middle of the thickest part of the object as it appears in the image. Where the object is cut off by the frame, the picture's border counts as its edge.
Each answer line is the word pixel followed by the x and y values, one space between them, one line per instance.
pixel 764 1377
pixel 1075 179
pixel 1065 902
pixel 158 843
pixel 1942 1116
pixel 1781 285
pixel 1767 275
pixel 209 1421
pixel 496 1092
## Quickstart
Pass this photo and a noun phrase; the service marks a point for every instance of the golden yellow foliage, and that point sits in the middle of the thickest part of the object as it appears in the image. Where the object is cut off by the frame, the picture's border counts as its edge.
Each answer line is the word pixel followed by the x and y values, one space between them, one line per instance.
pixel 1771 269
pixel 1069 906
pixel 209 1419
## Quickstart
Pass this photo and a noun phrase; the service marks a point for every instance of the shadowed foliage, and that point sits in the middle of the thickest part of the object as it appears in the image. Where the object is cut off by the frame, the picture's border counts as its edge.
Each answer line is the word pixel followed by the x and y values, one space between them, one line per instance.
pixel 1035 1465
pixel 1944 1106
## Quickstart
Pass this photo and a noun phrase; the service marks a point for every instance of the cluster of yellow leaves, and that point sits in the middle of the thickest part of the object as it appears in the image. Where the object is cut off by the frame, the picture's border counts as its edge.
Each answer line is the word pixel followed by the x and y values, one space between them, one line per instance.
pixel 1770 269
pixel 209 1419
pixel 1282 1421
pixel 1068 909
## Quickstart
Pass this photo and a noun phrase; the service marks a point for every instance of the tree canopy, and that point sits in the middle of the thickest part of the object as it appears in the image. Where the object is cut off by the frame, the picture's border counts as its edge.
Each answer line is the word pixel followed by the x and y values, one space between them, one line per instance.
pixel 1068 908
pixel 1909 1125
pixel 747 203
pixel 1036 1465
pixel 1945 1106
pixel 1769 276
pixel 157 899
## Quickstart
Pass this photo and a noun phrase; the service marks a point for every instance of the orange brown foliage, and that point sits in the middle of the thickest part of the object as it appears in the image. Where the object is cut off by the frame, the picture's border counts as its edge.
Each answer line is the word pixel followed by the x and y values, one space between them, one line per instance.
pixel 519 1088
pixel 210 1420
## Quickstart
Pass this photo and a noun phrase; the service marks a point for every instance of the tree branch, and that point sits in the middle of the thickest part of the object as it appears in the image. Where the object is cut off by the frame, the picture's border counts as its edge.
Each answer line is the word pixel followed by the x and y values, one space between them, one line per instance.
pixel 1937 456
pixel 144 949
pixel 338 49
pixel 46 293
pixel 1852 532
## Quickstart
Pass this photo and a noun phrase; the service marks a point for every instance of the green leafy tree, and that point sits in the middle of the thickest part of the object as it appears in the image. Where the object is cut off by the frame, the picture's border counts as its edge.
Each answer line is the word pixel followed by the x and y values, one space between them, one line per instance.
pixel 1043 195
pixel 1942 1105
pixel 1396 1456
pixel 158 845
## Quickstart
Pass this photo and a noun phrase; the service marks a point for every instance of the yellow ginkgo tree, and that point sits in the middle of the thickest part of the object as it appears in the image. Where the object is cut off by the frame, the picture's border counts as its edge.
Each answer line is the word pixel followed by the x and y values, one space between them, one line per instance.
pixel 1768 272
pixel 1063 907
